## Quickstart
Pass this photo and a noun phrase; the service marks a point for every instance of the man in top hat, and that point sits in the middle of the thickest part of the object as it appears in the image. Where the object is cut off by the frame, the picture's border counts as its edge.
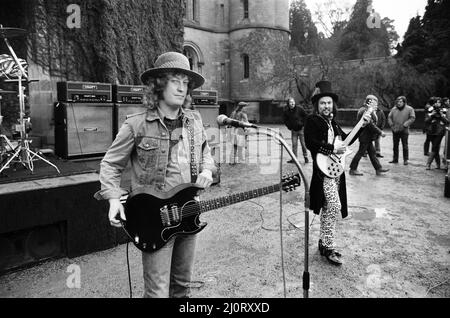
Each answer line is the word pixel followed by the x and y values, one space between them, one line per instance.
pixel 166 146
pixel 328 196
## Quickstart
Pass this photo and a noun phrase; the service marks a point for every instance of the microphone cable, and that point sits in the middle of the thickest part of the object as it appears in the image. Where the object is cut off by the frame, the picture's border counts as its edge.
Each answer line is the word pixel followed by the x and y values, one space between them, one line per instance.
pixel 129 273
pixel 128 257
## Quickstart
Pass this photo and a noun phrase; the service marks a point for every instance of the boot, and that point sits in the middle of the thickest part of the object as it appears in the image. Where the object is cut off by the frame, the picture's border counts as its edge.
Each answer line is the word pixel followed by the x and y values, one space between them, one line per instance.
pixel 380 171
pixel 430 160
pixel 355 172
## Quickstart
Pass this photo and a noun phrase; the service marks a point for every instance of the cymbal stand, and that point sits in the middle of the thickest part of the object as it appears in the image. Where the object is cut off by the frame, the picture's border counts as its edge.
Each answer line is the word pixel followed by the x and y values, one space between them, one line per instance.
pixel 23 152
pixel 279 138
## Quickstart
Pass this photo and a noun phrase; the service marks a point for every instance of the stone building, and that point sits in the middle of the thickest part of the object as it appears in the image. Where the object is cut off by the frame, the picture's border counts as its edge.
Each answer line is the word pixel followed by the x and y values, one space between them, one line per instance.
pixel 215 32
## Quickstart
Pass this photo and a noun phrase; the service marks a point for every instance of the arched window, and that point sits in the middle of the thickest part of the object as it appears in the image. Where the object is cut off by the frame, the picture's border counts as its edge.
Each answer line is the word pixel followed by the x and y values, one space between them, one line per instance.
pixel 246 62
pixel 193 58
pixel 245 9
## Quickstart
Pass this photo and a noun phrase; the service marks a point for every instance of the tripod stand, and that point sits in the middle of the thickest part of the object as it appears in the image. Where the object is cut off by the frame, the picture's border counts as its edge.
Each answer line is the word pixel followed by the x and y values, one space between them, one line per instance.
pixel 22 153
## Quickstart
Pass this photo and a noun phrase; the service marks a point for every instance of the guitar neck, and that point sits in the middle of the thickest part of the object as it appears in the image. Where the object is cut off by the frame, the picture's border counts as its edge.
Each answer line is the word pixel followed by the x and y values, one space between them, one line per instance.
pixel 355 129
pixel 221 202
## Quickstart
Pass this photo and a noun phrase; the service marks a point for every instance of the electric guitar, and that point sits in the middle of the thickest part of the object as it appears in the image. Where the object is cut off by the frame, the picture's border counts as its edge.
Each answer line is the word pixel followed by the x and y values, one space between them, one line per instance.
pixel 154 218
pixel 333 165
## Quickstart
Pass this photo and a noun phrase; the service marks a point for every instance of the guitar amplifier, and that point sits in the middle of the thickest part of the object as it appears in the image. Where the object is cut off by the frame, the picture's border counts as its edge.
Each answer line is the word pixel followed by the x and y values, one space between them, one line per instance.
pixel 128 99
pixel 204 97
pixel 83 129
pixel 84 92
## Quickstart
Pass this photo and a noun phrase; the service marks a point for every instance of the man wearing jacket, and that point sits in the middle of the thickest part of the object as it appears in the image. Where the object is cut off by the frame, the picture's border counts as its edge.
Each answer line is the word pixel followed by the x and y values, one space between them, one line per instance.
pixel 368 135
pixel 294 119
pixel 400 119
pixel 166 146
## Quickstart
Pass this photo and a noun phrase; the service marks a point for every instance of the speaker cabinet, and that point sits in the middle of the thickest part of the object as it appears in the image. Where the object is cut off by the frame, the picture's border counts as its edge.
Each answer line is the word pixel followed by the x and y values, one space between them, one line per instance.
pixel 122 111
pixel 83 129
pixel 31 245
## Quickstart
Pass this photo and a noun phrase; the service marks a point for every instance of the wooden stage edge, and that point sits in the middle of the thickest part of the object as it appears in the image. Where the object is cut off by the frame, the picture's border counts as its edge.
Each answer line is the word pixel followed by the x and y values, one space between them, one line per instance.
pixel 48 183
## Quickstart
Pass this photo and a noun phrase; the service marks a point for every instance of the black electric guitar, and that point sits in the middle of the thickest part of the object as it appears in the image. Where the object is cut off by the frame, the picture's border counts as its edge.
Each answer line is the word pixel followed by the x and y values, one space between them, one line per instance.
pixel 153 218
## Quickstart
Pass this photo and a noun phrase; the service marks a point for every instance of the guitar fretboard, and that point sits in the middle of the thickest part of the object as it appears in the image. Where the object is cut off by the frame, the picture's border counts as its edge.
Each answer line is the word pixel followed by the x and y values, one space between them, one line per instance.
pixel 221 202
pixel 358 126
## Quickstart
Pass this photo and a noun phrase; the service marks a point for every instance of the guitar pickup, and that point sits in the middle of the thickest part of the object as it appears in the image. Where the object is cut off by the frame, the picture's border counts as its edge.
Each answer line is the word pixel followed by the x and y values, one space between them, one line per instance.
pixel 170 216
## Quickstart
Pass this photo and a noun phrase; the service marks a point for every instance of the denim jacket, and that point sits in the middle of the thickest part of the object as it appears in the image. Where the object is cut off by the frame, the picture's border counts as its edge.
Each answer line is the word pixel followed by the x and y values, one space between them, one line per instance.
pixel 143 140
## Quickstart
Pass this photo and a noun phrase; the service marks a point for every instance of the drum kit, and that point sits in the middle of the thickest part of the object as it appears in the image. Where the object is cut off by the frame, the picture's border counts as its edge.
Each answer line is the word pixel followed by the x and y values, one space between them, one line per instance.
pixel 13 67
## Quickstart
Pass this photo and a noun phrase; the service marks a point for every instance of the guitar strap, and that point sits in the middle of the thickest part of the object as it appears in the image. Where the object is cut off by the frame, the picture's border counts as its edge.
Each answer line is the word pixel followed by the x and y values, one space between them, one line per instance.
pixel 193 165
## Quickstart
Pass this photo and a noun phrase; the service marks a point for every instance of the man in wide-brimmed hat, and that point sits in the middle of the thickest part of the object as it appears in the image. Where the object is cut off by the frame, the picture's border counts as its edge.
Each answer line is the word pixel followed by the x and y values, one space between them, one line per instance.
pixel 328 196
pixel 166 146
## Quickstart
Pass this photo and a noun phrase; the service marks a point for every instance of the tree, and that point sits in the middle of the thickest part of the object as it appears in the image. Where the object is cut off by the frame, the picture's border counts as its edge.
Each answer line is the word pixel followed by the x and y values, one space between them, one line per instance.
pixel 304 35
pixel 362 37
pixel 426 45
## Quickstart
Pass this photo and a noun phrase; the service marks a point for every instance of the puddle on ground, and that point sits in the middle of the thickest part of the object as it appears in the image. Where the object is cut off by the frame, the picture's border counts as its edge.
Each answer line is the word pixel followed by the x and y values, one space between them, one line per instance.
pixel 365 214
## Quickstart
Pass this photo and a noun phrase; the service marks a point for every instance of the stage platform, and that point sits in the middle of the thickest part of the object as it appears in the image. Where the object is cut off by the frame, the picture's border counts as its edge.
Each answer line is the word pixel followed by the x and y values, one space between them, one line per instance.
pixel 42 170
pixel 46 214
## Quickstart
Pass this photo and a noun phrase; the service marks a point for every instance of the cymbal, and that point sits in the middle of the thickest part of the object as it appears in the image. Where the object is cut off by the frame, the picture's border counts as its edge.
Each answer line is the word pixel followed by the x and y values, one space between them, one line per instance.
pixel 11 32
pixel 7 92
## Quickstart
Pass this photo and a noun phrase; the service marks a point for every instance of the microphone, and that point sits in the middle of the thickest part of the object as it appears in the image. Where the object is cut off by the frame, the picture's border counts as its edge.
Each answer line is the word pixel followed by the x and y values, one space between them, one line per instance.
pixel 223 120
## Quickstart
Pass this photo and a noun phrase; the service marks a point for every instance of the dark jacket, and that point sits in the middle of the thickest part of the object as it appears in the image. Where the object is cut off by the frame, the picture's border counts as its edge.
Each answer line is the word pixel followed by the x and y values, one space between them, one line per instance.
pixel 381 123
pixel 294 119
pixel 316 136
pixel 371 131
pixel 435 124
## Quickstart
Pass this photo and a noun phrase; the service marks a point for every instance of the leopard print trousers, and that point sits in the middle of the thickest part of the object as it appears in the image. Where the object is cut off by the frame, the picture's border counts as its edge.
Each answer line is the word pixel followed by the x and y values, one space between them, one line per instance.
pixel 330 211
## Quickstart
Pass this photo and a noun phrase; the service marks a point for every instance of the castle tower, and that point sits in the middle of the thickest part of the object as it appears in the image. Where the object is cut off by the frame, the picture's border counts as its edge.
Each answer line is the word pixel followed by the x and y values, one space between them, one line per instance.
pixel 231 41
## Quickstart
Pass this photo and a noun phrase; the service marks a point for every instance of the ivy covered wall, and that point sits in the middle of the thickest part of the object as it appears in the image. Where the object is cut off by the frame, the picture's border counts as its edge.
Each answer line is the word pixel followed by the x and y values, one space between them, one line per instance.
pixel 116 41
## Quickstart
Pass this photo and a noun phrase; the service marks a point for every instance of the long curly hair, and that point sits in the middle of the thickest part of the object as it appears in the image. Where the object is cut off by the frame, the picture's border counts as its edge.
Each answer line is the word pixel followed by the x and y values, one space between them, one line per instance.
pixel 316 108
pixel 155 86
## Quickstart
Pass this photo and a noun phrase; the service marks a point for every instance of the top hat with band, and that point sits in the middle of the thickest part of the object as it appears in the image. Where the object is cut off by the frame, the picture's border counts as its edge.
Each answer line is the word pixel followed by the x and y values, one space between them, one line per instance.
pixel 323 88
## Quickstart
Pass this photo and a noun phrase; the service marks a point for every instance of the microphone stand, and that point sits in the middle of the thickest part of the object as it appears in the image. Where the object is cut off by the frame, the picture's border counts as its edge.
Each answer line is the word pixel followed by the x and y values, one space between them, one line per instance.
pixel 279 137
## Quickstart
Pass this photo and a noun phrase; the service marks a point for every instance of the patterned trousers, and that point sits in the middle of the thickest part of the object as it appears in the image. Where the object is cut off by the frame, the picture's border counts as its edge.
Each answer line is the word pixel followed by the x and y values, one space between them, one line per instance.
pixel 330 211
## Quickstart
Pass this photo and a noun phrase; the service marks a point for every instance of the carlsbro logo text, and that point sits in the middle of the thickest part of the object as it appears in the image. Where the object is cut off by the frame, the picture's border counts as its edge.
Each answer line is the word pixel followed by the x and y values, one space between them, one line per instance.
pixel 88 86
pixel 136 89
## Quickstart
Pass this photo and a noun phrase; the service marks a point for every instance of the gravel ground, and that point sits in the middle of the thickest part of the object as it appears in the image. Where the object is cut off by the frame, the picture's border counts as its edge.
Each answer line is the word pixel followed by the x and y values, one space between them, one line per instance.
pixel 395 242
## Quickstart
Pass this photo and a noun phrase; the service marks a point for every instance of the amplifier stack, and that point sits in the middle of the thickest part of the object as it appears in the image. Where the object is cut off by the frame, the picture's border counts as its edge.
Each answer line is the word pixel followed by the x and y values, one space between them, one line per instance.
pixel 89 115
pixel 128 100
pixel 83 119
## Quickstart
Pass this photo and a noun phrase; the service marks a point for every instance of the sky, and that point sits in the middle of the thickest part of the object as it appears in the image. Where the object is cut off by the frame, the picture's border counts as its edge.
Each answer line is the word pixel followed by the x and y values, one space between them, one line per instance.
pixel 399 10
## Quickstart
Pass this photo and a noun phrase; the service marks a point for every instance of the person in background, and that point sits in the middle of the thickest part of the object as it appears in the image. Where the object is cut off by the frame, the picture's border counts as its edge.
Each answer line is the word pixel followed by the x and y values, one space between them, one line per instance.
pixel 437 121
pixel 294 118
pixel 236 135
pixel 166 146
pixel 381 123
pixel 400 119
pixel 428 138
pixel 367 137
